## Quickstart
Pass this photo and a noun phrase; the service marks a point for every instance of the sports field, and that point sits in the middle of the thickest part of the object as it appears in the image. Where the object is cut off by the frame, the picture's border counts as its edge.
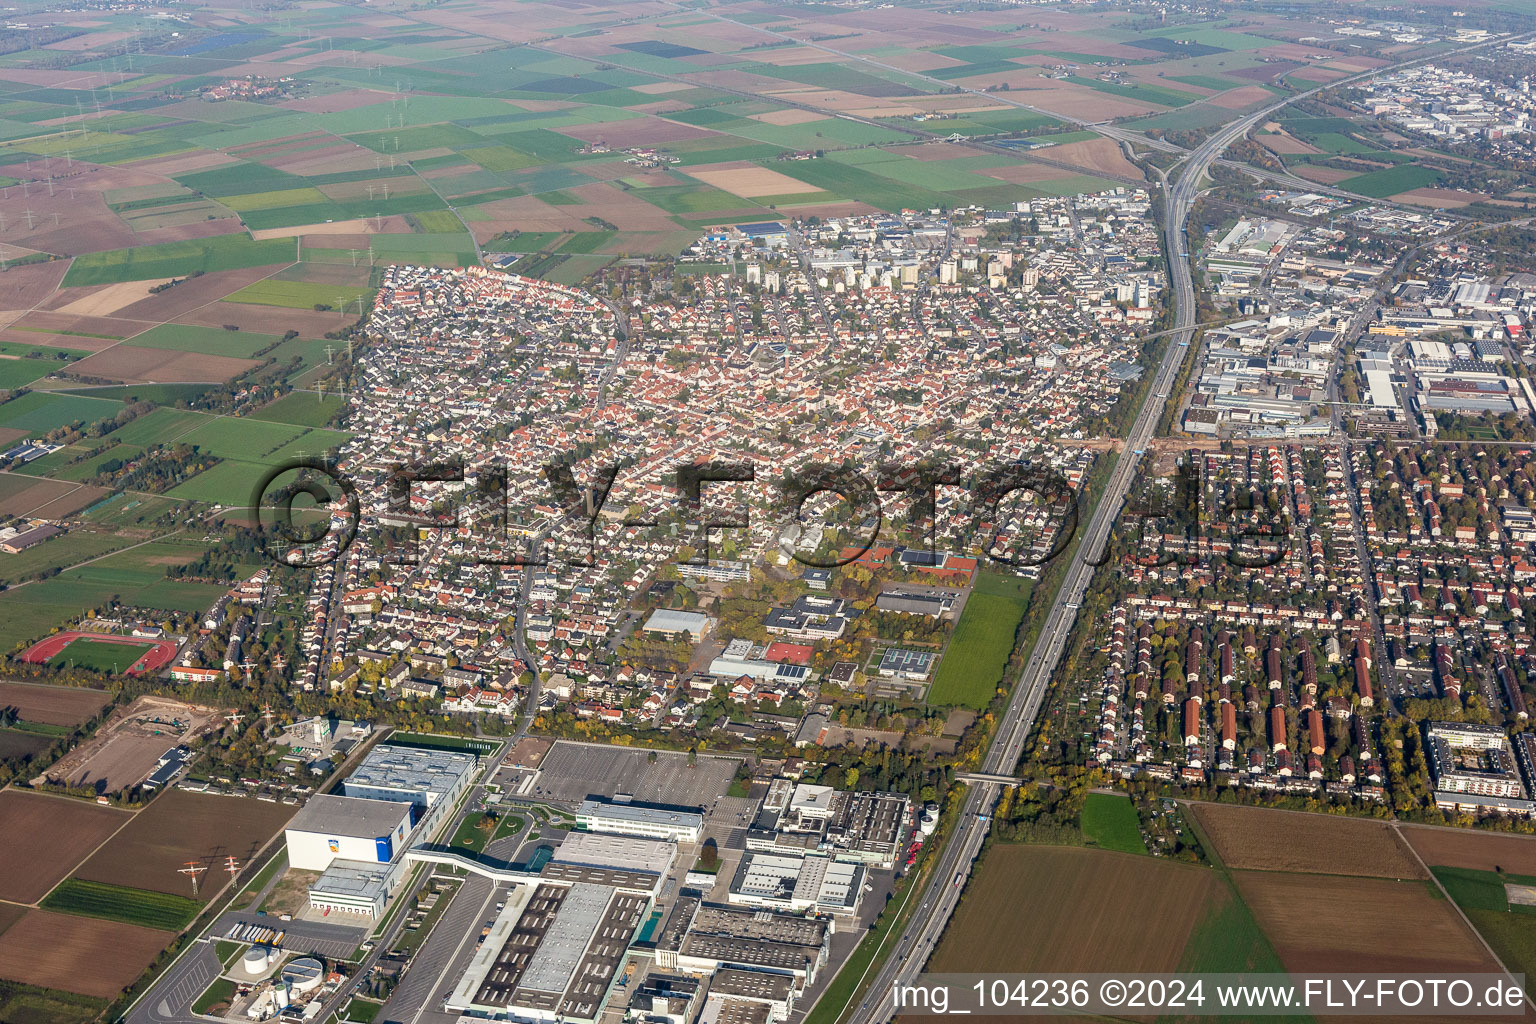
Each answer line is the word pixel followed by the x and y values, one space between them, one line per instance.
pixel 115 654
pixel 103 656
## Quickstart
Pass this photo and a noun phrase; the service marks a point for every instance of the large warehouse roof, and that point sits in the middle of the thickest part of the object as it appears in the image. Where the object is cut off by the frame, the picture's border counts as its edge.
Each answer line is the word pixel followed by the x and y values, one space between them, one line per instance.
pixel 349 816
pixel 429 773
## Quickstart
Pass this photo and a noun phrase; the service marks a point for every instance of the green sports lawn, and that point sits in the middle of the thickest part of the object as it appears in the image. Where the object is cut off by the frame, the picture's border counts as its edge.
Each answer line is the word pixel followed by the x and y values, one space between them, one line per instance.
pixel 101 655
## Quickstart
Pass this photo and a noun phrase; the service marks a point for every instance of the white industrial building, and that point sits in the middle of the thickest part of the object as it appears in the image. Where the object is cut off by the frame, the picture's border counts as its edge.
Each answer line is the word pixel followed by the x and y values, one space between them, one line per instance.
pixel 798 884
pixel 351 887
pixel 330 828
pixel 670 622
pixel 357 840
pixel 639 820
pixel 553 950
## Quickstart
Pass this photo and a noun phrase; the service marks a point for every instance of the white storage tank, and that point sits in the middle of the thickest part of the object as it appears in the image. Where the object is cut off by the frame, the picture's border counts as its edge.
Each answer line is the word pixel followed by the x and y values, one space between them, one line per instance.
pixel 258 960
pixel 929 820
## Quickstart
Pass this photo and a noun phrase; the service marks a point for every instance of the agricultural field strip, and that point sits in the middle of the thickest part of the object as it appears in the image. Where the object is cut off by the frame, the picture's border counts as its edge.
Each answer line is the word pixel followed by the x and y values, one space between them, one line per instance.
pixel 49 499
pixel 152 324
pixel 77 864
pixel 149 326
pixel 110 554
pixel 1445 895
pixel 916 136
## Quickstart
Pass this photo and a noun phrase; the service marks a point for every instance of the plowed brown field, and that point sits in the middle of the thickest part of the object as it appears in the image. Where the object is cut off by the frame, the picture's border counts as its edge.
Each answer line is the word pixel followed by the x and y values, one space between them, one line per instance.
pixel 1274 840
pixel 45 837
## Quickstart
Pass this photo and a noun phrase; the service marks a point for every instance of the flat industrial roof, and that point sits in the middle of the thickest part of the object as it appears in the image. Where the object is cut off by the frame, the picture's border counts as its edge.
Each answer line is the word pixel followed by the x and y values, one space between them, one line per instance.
pixel 352 878
pixel 351 816
pixel 430 773
pixel 598 850
pixel 639 813
pixel 561 948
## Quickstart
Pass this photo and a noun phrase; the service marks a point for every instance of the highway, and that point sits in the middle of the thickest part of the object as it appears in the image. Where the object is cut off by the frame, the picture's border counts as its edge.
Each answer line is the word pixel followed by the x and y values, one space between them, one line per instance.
pixel 946 884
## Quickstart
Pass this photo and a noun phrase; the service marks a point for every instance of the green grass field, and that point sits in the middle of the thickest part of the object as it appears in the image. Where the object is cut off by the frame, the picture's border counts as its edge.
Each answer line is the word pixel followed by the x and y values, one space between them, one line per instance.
pixel 302 408
pixel 213 341
pixel 120 903
pixel 1391 181
pixel 41 411
pixel 857 183
pixel 178 259
pixel 471 837
pixel 1509 928
pixel 229 483
pixel 972 666
pixel 159 426
pixel 81 543
pixel 100 655
pixel 16 373
pixel 157 394
pixel 1229 939
pixel 300 294
pixel 26 1004
pixel 240 437
pixel 1111 822
pixel 221 991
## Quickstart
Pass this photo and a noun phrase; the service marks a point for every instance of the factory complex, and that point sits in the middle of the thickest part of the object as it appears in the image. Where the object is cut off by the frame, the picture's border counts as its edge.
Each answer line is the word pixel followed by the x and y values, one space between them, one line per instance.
pixel 357 839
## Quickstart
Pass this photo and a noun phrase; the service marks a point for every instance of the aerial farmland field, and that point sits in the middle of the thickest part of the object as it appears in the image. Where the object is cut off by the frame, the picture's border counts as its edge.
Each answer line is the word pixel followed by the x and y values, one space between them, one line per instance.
pixel 116 952
pixel 46 837
pixel 172 259
pixel 1081 910
pixel 1275 840
pixel 1482 851
pixel 181 826
pixel 120 903
pixel 1284 906
pixel 52 705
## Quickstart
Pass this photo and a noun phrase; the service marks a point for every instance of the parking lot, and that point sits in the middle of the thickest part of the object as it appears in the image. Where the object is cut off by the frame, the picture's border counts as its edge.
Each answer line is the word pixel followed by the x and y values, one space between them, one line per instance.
pixel 335 940
pixel 571 772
